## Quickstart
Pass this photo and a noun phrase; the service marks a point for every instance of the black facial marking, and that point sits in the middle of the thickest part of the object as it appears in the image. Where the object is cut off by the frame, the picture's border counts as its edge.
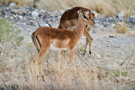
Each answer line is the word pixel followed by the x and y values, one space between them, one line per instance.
pixel 85 17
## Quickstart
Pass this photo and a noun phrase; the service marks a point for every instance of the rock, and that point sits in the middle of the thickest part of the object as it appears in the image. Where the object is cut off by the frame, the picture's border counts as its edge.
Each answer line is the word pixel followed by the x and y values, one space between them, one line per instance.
pixel 24 24
pixel 98 56
pixel 113 25
pixel 111 20
pixel 35 14
pixel 2 12
pixel 43 11
pixel 132 20
pixel 120 15
pixel 61 12
pixel 31 23
pixel 15 17
pixel 21 11
pixel 108 67
pixel 96 14
pixel 55 13
pixel 12 18
pixel 14 11
pixel 20 17
pixel 59 17
pixel 12 5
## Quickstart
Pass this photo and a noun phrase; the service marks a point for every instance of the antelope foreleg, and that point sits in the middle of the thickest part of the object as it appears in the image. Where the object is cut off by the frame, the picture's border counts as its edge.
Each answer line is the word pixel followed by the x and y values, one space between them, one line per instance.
pixel 88 39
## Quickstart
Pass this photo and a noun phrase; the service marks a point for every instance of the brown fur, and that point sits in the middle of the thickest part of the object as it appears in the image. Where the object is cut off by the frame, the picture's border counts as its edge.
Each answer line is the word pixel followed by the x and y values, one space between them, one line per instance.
pixel 69 19
pixel 61 38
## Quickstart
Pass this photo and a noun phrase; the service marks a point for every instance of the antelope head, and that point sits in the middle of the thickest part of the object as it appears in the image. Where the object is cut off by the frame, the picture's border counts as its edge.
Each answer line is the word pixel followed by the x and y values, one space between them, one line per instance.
pixel 87 17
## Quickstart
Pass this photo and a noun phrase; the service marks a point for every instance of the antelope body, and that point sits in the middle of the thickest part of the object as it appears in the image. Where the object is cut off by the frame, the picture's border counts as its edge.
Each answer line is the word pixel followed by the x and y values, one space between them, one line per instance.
pixel 60 38
pixel 70 18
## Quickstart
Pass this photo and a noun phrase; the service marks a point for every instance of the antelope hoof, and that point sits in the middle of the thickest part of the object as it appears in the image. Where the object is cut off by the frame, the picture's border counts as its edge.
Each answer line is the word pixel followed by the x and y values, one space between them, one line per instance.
pixel 89 54
pixel 84 52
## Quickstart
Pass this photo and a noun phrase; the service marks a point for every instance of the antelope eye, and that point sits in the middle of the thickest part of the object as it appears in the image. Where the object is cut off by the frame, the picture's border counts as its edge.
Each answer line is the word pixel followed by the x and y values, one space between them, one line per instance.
pixel 85 17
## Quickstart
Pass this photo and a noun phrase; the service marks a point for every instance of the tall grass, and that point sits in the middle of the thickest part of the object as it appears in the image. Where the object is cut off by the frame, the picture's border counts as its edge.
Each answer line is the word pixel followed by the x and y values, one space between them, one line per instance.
pixel 10 39
pixel 59 74
pixel 121 28
pixel 18 2
pixel 105 7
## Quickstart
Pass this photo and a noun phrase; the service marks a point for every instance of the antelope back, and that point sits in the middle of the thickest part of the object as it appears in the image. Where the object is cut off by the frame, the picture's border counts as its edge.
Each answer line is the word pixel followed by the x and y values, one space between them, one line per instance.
pixel 70 17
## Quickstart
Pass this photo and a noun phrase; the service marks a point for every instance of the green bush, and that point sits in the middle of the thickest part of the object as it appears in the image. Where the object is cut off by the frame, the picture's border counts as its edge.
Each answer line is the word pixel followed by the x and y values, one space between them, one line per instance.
pixel 8 33
pixel 10 39
pixel 123 73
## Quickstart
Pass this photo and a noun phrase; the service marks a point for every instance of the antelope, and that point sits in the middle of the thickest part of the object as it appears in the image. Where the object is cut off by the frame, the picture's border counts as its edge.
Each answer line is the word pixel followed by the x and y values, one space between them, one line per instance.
pixel 70 18
pixel 45 37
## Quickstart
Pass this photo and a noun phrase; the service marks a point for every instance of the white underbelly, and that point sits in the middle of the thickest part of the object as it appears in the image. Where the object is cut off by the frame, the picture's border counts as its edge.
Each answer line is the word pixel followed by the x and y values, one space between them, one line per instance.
pixel 53 48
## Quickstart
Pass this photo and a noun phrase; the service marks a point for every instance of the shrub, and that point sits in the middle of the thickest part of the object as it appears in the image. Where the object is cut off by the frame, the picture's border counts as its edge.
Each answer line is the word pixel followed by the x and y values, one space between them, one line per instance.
pixel 10 39
pixel 121 28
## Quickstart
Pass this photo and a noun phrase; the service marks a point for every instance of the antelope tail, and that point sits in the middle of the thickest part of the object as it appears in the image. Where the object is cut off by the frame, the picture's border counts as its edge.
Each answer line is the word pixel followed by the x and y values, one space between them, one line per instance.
pixel 36 41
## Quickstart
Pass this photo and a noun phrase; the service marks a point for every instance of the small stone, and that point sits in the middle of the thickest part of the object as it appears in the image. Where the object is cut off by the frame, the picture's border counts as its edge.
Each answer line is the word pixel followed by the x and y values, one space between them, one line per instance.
pixel 21 11
pixel 113 25
pixel 96 14
pixel 98 56
pixel 31 23
pixel 61 11
pixel 43 11
pixel 35 14
pixel 20 17
pixel 108 67
pixel 11 18
pixel 12 5
pixel 132 20
pixel 120 15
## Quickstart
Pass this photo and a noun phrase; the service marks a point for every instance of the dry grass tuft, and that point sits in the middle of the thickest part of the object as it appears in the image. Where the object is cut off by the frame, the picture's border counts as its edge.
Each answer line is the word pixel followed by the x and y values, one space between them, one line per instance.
pixel 121 28
pixel 105 7
pixel 18 2
pixel 59 73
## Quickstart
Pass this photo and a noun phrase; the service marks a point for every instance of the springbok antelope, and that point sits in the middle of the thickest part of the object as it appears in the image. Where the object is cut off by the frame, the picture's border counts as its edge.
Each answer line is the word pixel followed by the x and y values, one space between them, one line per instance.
pixel 70 18
pixel 45 37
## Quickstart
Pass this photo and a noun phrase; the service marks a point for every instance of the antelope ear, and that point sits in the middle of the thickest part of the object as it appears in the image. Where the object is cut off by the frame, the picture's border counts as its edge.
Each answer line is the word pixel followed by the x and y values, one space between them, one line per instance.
pixel 93 15
pixel 79 12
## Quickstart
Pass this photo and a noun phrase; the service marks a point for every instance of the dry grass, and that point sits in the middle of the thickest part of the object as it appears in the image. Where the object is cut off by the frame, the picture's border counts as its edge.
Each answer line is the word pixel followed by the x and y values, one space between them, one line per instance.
pixel 59 73
pixel 121 28
pixel 18 2
pixel 105 7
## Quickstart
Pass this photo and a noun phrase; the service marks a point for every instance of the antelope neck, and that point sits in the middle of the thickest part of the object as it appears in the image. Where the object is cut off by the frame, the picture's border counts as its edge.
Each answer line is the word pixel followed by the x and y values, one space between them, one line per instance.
pixel 80 28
